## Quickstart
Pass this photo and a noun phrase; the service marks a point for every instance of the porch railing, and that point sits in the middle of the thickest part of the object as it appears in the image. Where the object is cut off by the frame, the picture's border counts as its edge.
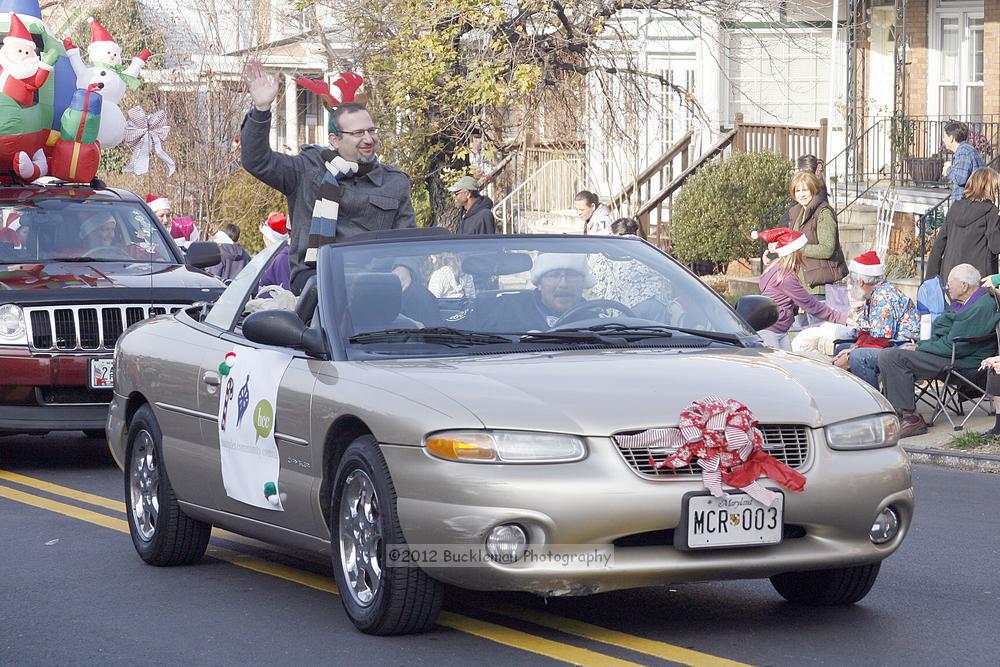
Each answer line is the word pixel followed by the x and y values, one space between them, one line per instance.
pixel 787 141
pixel 550 187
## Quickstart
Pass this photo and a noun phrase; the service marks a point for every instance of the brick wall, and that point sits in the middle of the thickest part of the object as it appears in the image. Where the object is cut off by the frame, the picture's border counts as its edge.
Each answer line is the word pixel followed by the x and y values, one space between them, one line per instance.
pixel 917 13
pixel 991 64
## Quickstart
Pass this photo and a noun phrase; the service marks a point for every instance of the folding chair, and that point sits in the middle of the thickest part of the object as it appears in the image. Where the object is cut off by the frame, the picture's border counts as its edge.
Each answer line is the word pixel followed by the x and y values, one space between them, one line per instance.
pixel 953 387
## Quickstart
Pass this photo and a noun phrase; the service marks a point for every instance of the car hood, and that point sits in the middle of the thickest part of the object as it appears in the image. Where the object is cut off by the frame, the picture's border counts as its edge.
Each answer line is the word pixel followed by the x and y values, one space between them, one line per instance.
pixel 605 391
pixel 56 275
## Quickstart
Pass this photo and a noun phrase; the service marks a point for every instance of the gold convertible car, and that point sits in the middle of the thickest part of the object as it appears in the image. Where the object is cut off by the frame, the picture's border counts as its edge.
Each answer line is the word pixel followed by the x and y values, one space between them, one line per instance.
pixel 497 413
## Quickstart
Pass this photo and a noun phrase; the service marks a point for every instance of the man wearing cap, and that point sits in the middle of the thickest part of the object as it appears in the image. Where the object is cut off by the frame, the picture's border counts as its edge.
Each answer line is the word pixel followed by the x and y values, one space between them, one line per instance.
pixel 560 279
pixel 160 206
pixel 476 215
pixel 340 191
pixel 972 314
pixel 885 315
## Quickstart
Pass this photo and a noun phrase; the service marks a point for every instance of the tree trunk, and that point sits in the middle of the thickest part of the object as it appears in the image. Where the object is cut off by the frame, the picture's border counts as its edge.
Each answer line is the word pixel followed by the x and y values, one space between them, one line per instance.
pixel 443 211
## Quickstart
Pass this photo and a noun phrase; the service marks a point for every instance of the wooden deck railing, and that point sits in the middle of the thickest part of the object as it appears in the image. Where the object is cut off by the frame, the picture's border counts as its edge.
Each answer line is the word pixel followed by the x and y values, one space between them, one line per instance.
pixel 787 141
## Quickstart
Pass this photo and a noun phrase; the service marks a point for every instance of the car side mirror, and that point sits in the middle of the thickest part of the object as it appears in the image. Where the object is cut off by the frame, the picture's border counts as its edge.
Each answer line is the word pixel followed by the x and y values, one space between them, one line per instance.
pixel 203 254
pixel 283 328
pixel 758 311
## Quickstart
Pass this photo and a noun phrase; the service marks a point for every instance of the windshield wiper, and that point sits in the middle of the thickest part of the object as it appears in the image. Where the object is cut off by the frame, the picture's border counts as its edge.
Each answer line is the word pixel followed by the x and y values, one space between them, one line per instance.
pixel 81 258
pixel 571 336
pixel 431 334
pixel 657 330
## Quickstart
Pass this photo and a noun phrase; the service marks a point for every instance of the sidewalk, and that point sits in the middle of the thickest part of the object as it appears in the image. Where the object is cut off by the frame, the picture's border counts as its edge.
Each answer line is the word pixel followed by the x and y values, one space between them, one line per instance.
pixel 932 447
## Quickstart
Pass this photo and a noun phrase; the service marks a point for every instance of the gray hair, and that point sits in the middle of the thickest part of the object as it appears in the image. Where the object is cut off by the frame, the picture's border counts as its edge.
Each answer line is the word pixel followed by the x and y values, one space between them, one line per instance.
pixel 966 273
pixel 867 280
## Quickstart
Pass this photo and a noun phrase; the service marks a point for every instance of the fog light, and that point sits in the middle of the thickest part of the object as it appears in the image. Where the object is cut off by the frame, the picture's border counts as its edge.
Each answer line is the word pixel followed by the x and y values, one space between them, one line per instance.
pixel 886 526
pixel 506 543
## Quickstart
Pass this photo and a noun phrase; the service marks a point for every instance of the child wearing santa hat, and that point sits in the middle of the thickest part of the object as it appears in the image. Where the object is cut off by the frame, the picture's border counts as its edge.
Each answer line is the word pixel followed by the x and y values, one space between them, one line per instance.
pixel 279 272
pixel 780 283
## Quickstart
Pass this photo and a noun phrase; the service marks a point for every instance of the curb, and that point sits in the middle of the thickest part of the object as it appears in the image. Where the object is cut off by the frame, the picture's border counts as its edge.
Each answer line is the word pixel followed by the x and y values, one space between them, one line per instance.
pixel 949 458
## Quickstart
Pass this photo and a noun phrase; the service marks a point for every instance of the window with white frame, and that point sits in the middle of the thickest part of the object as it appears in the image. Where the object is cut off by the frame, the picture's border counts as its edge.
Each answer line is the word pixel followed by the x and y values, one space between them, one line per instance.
pixel 955 81
pixel 780 76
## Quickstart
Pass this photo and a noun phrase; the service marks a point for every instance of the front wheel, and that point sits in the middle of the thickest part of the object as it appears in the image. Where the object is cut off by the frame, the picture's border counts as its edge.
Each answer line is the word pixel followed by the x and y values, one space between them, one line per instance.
pixel 161 532
pixel 822 588
pixel 379 598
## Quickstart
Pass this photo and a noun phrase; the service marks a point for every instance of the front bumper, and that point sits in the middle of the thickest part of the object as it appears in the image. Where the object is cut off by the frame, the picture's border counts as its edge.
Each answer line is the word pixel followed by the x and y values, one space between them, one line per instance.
pixel 599 501
pixel 49 392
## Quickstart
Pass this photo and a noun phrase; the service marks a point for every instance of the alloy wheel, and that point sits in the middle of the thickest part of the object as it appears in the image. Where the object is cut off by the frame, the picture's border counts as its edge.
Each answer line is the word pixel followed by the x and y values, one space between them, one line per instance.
pixel 361 540
pixel 144 486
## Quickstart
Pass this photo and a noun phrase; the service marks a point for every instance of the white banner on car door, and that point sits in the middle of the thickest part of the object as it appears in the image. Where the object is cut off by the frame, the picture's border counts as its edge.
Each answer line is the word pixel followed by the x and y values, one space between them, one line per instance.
pixel 250 462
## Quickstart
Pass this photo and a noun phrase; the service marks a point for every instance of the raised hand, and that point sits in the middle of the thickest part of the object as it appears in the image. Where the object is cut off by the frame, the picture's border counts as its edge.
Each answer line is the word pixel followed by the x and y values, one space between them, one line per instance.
pixel 263 87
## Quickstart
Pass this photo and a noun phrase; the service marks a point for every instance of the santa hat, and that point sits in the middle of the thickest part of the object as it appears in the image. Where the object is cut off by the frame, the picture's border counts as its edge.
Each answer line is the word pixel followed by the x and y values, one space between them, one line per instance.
pixel 18 34
pixel 98 33
pixel 552 261
pixel 782 240
pixel 275 228
pixel 867 264
pixel 157 203
pixel 101 41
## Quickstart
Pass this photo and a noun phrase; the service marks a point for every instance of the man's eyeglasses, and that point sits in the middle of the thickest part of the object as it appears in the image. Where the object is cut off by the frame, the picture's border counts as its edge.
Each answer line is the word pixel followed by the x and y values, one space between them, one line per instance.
pixel 358 134
pixel 563 274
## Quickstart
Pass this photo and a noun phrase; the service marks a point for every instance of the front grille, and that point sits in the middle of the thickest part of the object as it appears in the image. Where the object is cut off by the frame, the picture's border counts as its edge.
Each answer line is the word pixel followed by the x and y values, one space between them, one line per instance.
pixel 85 328
pixel 789 443
pixel 72 395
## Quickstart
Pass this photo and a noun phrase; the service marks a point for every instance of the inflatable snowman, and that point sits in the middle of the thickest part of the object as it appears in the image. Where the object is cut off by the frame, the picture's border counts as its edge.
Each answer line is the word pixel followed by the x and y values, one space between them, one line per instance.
pixel 107 72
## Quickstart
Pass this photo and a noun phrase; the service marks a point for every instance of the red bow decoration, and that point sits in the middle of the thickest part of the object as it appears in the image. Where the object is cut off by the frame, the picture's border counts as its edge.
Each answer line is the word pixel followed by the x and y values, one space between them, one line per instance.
pixel 347 84
pixel 723 436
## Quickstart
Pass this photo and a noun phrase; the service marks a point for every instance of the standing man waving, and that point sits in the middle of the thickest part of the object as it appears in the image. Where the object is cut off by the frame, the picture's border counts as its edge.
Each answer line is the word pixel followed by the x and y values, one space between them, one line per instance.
pixel 333 192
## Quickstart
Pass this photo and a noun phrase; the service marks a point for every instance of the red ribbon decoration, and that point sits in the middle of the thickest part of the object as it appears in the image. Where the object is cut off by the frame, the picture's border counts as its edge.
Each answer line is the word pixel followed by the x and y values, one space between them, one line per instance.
pixel 722 436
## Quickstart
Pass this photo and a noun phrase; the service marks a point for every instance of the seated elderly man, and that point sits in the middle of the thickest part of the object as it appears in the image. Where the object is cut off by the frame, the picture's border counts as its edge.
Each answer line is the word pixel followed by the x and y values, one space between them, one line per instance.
pixel 886 315
pixel 560 279
pixel 973 313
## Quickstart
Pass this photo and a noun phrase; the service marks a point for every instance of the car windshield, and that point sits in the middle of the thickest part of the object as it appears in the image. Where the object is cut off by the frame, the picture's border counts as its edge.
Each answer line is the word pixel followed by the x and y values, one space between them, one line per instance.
pixel 461 292
pixel 57 229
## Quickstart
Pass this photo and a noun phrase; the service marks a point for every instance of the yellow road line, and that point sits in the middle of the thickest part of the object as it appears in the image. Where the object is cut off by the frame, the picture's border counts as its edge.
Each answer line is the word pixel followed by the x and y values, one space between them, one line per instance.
pixel 66 492
pixel 491 631
pixel 597 633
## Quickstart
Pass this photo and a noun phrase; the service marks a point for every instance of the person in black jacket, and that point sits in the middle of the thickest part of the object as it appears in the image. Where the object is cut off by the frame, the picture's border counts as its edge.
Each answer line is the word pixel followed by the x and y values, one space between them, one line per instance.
pixel 971 230
pixel 476 210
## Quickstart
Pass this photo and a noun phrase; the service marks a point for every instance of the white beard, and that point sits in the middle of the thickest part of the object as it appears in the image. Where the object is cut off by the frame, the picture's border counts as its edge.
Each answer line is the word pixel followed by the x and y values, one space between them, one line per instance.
pixel 24 69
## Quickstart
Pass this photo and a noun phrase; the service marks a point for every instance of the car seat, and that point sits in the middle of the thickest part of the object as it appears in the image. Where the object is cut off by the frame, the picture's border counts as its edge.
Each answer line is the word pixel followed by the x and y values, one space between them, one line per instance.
pixel 373 300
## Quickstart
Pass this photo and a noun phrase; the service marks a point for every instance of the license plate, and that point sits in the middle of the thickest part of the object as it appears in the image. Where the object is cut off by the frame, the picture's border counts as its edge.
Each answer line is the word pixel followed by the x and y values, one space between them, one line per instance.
pixel 102 373
pixel 735 520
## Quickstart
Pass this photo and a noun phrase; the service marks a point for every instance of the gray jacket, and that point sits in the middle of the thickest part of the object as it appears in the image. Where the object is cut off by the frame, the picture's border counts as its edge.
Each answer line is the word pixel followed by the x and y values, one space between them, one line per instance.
pixel 376 201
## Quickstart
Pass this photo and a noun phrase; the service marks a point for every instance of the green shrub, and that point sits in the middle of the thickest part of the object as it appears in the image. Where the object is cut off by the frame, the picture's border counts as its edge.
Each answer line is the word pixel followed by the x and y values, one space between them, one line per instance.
pixel 718 207
pixel 245 201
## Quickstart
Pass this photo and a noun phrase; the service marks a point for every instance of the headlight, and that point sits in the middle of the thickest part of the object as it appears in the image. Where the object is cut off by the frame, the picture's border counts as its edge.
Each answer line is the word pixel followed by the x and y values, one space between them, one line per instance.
pixel 12 325
pixel 865 433
pixel 505 447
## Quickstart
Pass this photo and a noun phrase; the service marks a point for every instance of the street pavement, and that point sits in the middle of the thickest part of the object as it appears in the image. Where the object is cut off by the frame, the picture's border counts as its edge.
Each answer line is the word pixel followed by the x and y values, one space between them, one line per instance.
pixel 74 592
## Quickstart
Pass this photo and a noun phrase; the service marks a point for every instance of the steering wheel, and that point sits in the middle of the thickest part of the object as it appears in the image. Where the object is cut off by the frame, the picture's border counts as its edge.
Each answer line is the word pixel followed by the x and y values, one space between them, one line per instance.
pixel 574 313
pixel 109 251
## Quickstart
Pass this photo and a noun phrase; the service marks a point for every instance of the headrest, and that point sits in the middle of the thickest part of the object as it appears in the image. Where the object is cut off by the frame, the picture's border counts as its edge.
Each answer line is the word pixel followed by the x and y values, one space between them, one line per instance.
pixel 374 300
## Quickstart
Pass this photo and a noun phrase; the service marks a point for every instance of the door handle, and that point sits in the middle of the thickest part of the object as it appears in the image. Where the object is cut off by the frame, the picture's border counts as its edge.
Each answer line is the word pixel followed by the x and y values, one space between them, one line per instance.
pixel 211 378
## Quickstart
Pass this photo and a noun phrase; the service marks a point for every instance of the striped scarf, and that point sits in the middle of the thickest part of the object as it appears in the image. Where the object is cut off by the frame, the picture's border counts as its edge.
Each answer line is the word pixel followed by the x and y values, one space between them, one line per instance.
pixel 323 227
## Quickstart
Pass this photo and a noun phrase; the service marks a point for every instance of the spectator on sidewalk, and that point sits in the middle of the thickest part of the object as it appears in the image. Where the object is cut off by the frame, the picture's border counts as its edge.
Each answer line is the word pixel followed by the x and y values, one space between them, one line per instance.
pixel 476 211
pixel 780 283
pixel 183 231
pixel 973 313
pixel 812 165
pixel 886 315
pixel 275 230
pixel 823 259
pixel 234 255
pixel 595 215
pixel 447 280
pixel 971 230
pixel 333 192
pixel 966 159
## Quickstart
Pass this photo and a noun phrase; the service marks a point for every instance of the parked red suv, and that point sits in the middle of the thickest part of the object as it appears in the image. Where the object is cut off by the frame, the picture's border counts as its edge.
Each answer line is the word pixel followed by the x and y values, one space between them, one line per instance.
pixel 78 266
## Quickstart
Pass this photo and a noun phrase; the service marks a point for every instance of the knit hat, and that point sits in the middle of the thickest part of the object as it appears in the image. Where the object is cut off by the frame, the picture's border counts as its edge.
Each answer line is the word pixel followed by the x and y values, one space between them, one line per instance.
pixel 18 34
pixel 552 261
pixel 867 264
pixel 275 228
pixel 157 203
pixel 782 240
pixel 94 222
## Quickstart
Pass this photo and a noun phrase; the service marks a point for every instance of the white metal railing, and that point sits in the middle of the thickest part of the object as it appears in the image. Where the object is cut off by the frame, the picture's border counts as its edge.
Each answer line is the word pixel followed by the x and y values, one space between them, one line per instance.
pixel 551 187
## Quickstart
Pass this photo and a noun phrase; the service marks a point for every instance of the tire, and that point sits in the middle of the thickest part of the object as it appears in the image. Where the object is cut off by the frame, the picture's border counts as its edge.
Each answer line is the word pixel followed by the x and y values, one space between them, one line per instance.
pixel 379 600
pixel 162 534
pixel 824 588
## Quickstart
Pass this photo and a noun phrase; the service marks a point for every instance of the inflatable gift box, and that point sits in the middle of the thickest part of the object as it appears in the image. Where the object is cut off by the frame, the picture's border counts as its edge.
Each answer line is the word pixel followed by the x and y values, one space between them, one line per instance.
pixel 74 152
